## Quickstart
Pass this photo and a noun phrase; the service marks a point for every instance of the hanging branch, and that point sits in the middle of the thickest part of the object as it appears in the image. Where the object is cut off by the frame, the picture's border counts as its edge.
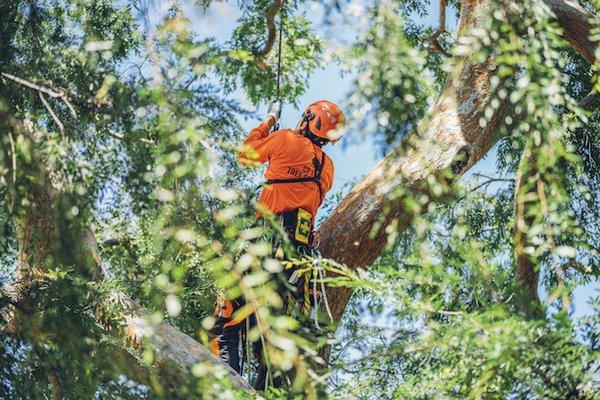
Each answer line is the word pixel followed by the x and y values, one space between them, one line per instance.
pixel 433 39
pixel 60 125
pixel 61 95
pixel 526 271
pixel 261 53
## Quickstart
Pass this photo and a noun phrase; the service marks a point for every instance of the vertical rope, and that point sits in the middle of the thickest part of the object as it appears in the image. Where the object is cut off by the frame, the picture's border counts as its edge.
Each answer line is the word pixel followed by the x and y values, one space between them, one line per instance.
pixel 278 87
pixel 281 15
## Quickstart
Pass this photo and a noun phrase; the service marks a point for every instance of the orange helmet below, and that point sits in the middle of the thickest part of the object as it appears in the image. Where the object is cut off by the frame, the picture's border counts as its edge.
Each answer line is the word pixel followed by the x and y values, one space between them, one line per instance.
pixel 324 119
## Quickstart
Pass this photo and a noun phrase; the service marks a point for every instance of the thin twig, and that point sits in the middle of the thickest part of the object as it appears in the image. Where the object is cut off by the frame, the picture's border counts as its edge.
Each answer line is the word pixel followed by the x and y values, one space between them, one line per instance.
pixel 49 92
pixel 70 106
pixel 584 269
pixel 119 136
pixel 509 298
pixel 61 95
pixel 493 178
pixel 61 127
pixel 489 181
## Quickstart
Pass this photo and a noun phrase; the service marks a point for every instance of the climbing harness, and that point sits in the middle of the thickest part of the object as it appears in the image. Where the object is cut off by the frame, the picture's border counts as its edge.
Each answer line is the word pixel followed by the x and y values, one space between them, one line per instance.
pixel 299 222
pixel 306 273
pixel 316 178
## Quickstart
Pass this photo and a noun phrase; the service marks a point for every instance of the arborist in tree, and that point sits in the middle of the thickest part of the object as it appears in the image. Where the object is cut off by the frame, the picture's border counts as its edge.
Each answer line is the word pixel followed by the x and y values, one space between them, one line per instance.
pixel 298 176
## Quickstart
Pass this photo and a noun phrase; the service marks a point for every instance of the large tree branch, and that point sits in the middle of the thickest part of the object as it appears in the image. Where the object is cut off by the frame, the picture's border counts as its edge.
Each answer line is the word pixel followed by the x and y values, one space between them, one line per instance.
pixel 175 351
pixel 271 29
pixel 576 22
pixel 450 128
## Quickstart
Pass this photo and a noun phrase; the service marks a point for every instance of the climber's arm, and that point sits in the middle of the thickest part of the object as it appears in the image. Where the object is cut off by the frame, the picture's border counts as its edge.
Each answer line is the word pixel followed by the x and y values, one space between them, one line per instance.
pixel 259 146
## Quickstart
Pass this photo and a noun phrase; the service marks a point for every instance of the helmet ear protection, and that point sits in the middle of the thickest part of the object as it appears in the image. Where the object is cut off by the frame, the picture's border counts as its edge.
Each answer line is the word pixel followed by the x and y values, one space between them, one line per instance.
pixel 304 128
pixel 307 116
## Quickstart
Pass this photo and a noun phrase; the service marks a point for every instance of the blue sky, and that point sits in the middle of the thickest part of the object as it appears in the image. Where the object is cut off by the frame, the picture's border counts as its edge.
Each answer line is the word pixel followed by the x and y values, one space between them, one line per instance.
pixel 354 160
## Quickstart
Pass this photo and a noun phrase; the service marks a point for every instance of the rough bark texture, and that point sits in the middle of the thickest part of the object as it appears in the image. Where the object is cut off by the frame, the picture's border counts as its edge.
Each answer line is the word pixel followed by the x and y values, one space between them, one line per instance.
pixel 450 128
pixel 577 23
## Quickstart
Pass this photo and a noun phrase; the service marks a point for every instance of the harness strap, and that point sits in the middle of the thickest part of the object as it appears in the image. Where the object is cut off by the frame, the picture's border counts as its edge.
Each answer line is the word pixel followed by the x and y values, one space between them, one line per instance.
pixel 316 178
pixel 293 180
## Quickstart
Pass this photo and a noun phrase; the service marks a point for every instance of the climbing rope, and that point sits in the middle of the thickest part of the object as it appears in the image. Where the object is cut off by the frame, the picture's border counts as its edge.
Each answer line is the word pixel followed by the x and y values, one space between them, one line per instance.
pixel 311 272
pixel 278 88
pixel 278 81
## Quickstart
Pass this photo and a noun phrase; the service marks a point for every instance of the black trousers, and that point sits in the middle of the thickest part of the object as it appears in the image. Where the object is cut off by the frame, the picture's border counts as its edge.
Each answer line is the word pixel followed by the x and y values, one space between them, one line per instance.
pixel 230 335
pixel 231 341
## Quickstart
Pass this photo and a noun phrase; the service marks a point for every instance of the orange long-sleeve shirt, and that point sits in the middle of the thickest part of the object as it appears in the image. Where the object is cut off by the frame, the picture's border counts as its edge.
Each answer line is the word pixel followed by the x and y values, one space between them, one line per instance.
pixel 290 155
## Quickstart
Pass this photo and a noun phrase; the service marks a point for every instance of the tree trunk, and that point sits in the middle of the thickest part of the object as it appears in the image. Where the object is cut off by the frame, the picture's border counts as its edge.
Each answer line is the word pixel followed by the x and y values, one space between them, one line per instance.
pixel 357 230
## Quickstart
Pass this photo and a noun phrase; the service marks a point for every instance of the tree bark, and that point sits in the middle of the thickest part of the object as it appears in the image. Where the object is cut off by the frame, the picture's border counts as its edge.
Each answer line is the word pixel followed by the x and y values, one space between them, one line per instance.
pixel 450 128
pixel 577 24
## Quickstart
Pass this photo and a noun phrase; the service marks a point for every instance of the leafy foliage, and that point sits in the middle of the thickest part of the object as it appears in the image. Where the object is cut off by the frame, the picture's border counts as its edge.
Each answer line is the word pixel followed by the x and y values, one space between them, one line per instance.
pixel 131 139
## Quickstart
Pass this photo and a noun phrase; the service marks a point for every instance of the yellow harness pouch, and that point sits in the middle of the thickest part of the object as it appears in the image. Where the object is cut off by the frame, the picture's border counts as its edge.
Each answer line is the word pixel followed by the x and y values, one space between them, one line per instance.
pixel 303 226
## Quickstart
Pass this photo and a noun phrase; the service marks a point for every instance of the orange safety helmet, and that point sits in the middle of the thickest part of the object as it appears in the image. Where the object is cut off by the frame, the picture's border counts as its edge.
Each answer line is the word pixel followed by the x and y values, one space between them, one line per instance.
pixel 323 119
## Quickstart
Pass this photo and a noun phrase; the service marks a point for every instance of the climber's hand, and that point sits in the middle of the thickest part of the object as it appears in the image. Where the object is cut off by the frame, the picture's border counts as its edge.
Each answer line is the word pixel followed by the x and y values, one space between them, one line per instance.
pixel 274 110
